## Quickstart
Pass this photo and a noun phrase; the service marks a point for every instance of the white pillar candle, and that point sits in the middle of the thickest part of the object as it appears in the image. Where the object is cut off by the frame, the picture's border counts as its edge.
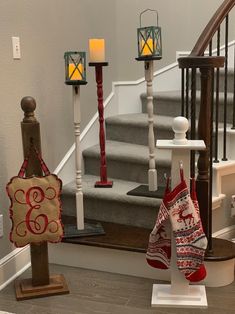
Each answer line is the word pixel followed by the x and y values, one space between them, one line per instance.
pixel 97 50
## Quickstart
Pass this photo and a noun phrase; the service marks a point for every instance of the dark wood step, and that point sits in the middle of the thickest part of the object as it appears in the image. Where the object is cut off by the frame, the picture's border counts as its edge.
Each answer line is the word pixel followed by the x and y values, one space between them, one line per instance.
pixel 223 250
pixel 117 236
pixel 130 238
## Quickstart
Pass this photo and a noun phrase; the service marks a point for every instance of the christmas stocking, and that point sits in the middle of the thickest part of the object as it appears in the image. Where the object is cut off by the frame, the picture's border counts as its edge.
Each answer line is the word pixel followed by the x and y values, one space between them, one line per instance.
pixel 159 247
pixel 187 228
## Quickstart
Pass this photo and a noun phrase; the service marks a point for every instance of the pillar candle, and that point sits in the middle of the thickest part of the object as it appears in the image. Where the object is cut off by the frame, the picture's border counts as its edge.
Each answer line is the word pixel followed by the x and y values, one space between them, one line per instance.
pixel 97 50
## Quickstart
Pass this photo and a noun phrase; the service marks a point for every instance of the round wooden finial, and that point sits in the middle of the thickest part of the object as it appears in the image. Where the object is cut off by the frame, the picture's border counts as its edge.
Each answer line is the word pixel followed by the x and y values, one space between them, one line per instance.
pixel 28 105
pixel 180 127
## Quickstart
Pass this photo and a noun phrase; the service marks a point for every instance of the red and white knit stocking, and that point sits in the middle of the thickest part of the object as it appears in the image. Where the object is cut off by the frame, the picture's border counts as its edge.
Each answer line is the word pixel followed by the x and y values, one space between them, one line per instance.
pixel 187 228
pixel 159 247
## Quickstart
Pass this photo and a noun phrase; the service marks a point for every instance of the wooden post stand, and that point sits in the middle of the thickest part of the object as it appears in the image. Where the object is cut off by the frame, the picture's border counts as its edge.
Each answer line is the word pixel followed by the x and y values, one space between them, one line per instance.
pixel 103 183
pixel 41 284
pixel 179 293
pixel 78 162
pixel 152 172
pixel 152 189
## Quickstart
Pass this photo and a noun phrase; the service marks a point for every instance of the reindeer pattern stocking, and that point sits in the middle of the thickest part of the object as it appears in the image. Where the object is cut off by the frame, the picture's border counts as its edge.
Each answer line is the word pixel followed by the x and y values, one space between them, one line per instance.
pixel 183 213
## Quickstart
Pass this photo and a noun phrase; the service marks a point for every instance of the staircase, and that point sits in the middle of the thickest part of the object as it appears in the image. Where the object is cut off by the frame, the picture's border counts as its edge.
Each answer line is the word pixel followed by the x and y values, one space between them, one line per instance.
pixel 127 164
pixel 127 220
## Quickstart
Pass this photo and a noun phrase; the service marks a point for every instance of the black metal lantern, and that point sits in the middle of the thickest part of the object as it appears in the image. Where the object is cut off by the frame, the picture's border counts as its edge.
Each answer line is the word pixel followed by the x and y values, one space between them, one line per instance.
pixel 149 40
pixel 75 68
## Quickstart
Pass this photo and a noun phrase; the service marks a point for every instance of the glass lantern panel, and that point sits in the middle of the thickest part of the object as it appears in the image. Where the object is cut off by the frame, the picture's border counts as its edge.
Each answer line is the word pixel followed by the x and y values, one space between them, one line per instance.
pixel 158 40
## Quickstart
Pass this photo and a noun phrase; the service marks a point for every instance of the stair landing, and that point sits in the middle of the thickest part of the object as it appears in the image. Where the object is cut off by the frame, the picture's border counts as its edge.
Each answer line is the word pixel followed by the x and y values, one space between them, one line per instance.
pixel 117 236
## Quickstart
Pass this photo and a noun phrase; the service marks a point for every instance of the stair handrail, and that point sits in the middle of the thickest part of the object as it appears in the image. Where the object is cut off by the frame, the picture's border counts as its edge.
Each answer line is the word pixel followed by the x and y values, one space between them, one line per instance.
pixel 211 28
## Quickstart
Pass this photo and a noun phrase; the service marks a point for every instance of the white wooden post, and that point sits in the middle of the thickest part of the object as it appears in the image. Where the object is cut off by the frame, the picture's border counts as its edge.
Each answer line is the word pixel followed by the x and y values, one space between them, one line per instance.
pixel 152 172
pixel 179 293
pixel 79 194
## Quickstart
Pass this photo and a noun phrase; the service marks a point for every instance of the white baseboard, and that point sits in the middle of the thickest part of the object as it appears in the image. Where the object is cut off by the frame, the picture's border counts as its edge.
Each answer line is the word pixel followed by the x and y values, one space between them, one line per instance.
pixel 116 261
pixel 104 259
pixel 224 233
pixel 14 264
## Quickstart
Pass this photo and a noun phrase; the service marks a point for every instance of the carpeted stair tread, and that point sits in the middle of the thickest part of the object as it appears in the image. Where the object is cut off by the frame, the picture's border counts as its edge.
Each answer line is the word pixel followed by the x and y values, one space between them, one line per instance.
pixel 111 204
pixel 176 95
pixel 128 152
pixel 141 120
pixel 115 194
pixel 230 80
pixel 133 128
pixel 169 103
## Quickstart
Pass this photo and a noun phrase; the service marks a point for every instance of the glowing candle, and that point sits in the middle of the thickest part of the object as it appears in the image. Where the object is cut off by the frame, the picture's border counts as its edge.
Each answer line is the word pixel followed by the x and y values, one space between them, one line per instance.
pixel 74 73
pixel 148 47
pixel 97 50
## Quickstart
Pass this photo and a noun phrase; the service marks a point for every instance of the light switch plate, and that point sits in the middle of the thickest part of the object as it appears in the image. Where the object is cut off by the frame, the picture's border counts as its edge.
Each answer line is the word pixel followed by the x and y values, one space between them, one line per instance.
pixel 16 47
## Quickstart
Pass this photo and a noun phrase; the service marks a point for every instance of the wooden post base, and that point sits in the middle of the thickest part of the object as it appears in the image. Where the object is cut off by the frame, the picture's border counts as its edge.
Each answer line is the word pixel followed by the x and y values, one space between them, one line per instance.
pixel 25 290
pixel 103 184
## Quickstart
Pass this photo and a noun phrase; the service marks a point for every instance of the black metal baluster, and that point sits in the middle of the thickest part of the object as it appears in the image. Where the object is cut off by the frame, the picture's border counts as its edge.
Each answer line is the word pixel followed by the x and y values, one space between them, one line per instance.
pixel 210 48
pixel 193 119
pixel 233 127
pixel 187 94
pixel 225 89
pixel 217 101
pixel 182 93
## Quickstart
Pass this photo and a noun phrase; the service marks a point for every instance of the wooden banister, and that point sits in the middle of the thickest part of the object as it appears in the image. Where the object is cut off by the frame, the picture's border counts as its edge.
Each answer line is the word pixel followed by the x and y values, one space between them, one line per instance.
pixel 212 27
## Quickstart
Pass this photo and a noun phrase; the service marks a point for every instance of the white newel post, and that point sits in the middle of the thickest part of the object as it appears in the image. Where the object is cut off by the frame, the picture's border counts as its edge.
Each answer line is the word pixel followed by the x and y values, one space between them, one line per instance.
pixel 78 164
pixel 179 293
pixel 152 172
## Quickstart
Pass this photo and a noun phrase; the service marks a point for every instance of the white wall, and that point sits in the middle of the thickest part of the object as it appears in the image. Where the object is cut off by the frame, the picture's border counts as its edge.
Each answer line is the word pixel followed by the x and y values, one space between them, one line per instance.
pixel 46 29
pixel 182 22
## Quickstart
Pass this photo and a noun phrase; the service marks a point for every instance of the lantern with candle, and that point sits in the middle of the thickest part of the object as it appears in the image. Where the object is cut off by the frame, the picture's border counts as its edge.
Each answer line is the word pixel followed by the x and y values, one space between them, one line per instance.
pixel 75 68
pixel 149 40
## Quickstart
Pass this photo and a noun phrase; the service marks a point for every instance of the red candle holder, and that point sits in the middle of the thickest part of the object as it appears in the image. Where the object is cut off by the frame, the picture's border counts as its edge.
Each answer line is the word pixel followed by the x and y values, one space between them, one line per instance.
pixel 103 183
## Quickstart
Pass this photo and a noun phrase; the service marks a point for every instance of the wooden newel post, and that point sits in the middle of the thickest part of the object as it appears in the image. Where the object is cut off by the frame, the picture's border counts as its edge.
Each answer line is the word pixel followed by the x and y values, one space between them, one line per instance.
pixel 30 129
pixel 204 132
pixel 41 284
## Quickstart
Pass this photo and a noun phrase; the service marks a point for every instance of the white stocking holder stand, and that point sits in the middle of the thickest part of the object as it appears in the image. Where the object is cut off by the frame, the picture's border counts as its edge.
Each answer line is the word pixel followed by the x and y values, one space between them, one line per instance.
pixel 179 293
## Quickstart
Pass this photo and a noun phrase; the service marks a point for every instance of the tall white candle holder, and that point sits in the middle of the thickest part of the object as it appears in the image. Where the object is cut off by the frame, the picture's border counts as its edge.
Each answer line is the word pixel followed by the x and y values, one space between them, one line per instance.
pixel 75 75
pixel 179 293
pixel 149 49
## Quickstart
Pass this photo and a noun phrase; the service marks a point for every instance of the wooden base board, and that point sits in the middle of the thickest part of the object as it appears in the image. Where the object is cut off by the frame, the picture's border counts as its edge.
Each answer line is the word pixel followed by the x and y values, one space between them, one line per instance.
pixel 25 290
pixel 143 190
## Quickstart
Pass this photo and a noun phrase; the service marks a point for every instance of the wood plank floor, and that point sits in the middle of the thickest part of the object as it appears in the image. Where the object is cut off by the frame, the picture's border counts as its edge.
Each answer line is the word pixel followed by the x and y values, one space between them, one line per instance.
pixel 94 292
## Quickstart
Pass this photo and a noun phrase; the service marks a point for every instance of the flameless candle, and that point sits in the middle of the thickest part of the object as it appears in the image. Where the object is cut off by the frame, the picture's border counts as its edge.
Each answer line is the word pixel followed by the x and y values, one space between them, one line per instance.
pixel 148 47
pixel 74 74
pixel 97 50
